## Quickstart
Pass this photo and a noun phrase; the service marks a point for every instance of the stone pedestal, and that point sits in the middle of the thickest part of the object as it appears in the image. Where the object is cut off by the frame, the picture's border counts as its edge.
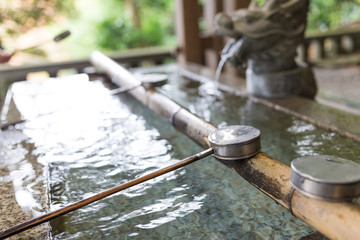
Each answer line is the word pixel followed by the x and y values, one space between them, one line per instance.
pixel 297 81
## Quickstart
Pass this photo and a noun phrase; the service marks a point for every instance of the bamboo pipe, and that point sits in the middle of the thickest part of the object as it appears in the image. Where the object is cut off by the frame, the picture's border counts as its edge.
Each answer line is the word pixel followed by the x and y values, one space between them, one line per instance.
pixel 336 220
pixel 62 211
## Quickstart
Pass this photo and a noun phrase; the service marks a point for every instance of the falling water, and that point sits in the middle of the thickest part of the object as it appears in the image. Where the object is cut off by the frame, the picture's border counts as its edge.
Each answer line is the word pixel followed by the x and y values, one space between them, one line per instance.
pixel 219 68
pixel 232 48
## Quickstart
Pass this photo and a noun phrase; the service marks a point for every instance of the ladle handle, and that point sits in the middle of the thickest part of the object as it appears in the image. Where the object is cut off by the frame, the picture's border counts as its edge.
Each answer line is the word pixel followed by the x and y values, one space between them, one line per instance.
pixel 54 214
pixel 62 36
pixel 57 38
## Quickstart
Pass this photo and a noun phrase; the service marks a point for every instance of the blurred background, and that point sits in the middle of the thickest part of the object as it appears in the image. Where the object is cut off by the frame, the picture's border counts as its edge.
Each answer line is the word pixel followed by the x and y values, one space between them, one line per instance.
pixel 111 25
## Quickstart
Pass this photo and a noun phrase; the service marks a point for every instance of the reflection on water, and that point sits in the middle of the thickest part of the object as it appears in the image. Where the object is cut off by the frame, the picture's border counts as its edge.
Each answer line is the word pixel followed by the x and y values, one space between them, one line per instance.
pixel 283 137
pixel 96 145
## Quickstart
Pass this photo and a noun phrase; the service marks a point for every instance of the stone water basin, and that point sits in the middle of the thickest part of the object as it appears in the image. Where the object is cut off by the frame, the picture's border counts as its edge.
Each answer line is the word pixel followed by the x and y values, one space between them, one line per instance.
pixel 80 140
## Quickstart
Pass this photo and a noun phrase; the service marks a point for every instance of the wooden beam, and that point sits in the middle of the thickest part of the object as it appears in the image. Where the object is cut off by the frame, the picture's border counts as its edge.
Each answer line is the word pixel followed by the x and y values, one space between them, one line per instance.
pixel 231 6
pixel 188 32
pixel 211 8
pixel 213 43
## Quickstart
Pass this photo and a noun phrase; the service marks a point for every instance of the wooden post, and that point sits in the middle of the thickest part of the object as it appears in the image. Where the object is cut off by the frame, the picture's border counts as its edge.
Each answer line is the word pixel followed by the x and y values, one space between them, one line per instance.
pixel 215 43
pixel 191 46
pixel 188 32
pixel 230 6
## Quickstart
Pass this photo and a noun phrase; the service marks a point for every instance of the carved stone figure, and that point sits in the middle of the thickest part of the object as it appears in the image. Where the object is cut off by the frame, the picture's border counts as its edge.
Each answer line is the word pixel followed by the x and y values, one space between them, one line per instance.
pixel 263 40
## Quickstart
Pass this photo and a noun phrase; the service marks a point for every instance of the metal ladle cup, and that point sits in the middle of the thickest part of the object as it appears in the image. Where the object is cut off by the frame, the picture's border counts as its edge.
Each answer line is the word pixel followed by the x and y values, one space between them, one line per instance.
pixel 235 142
pixel 232 135
pixel 326 178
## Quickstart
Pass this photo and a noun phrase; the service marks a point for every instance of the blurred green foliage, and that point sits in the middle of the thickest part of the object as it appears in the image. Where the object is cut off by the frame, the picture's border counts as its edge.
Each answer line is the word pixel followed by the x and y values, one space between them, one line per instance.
pixel 330 14
pixel 96 24
pixel 118 30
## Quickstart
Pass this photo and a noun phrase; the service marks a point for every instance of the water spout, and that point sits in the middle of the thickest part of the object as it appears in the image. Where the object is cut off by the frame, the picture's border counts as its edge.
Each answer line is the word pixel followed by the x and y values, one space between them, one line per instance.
pixel 219 69
pixel 234 47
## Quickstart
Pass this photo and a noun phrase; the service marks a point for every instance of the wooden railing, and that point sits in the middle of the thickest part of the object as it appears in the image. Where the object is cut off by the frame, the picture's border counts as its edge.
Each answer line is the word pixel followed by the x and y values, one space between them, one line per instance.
pixel 130 58
pixel 340 44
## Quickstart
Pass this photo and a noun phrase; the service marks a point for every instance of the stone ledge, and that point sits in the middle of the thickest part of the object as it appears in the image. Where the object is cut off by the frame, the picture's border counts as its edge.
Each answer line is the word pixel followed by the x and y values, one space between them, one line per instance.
pixel 341 122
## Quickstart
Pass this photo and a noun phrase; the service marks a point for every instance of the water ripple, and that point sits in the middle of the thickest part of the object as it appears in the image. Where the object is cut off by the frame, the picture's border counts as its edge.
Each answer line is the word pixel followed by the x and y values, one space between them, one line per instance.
pixel 90 146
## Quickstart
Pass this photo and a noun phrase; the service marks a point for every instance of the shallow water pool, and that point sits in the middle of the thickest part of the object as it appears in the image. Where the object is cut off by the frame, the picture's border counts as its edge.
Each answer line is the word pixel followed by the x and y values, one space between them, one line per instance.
pixel 90 141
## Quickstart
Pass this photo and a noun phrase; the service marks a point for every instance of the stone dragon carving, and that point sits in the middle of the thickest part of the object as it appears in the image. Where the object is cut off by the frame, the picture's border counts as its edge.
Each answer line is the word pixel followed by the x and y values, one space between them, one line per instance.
pixel 263 40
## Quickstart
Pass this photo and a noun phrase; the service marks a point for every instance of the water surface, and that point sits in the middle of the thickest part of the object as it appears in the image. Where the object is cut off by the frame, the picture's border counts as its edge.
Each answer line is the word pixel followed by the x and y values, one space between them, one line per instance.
pixel 91 145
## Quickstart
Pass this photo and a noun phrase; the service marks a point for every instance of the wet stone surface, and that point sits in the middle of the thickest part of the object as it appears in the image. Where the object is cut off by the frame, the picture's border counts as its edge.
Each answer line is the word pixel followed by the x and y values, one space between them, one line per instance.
pixel 23 192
